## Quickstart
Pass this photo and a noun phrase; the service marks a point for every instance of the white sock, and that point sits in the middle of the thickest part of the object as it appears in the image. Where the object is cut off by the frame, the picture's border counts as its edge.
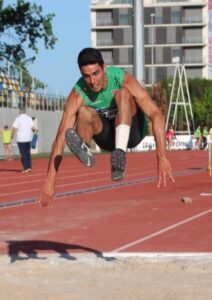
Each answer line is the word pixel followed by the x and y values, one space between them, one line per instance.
pixel 122 136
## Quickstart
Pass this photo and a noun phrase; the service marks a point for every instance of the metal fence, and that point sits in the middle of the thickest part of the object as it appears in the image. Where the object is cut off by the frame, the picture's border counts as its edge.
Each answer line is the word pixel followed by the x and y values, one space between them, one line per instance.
pixel 39 101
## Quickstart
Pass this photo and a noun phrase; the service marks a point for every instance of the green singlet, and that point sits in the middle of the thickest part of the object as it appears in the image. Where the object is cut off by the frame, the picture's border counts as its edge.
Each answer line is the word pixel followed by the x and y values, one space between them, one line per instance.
pixel 103 102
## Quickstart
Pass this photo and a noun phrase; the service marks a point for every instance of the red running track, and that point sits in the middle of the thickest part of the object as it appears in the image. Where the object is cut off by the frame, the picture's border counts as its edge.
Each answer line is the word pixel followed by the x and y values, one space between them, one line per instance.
pixel 91 213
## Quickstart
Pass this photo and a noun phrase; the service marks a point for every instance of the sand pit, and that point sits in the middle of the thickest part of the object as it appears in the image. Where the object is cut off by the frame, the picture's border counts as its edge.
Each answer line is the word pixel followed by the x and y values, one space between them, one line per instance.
pixel 92 278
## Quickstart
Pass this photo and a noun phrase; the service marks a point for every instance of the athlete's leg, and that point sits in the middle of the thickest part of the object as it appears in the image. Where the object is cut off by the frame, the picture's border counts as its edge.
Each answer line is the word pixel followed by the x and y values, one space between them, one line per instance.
pixel 88 123
pixel 126 110
pixel 126 107
pixel 106 138
pixel 138 129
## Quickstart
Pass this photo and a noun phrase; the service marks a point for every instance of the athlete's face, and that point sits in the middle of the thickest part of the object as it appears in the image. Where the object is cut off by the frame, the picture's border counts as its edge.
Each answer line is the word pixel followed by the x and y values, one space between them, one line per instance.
pixel 94 76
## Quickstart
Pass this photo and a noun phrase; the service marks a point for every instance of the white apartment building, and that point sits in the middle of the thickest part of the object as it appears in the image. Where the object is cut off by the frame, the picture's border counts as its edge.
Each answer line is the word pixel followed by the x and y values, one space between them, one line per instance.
pixel 172 28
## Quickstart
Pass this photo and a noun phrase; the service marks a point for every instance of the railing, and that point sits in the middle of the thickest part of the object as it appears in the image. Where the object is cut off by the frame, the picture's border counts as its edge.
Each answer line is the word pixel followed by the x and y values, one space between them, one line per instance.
pixel 14 99
pixel 193 60
pixel 175 1
pixel 169 1
pixel 193 20
pixel 108 61
pixel 14 95
pixel 193 40
pixel 188 20
pixel 13 77
pixel 108 42
pixel 184 60
pixel 104 22
pixel 93 2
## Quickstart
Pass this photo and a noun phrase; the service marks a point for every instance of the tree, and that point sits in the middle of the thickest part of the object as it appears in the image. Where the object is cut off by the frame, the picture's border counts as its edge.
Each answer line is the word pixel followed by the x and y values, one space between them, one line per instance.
pixel 200 90
pixel 201 98
pixel 22 25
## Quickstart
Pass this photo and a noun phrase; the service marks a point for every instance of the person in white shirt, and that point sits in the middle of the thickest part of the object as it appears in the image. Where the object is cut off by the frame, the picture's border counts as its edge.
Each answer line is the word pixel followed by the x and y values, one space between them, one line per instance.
pixel 23 127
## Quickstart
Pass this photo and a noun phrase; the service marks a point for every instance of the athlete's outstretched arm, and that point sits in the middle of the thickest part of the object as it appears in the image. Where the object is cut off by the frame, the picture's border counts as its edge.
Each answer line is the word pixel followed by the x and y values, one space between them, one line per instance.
pixel 74 101
pixel 148 106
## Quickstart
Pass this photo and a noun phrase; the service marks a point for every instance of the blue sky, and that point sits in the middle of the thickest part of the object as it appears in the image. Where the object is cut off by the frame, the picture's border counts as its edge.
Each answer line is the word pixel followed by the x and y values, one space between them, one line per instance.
pixel 71 25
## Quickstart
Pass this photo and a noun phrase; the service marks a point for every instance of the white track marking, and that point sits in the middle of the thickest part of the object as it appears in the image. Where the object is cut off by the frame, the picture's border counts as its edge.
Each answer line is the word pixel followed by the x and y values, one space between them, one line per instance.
pixel 206 194
pixel 162 255
pixel 31 180
pixel 157 233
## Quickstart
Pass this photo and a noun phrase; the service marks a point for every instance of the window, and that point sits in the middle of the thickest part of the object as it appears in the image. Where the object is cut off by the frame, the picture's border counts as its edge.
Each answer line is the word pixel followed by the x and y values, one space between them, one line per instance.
pixel 123 19
pixel 107 57
pixel 175 16
pixel 175 52
pixel 104 38
pixel 104 18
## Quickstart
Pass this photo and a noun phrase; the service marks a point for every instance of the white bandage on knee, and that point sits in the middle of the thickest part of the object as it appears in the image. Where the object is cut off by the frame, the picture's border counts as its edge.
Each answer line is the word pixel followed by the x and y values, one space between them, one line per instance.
pixel 122 136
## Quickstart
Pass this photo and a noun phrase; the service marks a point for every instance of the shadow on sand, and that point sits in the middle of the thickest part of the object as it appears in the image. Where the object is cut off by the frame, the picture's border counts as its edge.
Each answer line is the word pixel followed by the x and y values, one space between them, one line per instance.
pixel 23 250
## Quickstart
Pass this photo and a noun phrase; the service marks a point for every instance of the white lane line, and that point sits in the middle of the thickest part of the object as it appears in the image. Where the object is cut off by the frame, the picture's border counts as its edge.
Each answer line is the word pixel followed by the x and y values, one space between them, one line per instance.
pixel 60 178
pixel 79 182
pixel 69 184
pixel 150 236
pixel 163 255
pixel 19 192
pixel 206 194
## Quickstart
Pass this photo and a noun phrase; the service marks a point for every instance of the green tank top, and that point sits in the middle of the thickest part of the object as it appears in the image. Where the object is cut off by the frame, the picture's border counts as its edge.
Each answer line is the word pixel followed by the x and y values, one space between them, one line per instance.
pixel 103 102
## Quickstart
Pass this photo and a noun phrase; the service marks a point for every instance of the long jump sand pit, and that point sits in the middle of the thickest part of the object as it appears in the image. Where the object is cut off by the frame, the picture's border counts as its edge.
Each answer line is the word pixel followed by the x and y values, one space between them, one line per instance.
pixel 89 277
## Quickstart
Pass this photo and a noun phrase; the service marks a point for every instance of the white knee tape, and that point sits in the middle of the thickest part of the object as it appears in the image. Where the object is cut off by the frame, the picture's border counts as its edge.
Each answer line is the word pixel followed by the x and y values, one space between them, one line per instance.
pixel 122 136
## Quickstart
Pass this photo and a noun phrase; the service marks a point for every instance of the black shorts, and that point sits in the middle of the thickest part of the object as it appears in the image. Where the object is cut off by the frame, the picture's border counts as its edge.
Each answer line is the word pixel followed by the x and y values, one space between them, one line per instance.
pixel 106 138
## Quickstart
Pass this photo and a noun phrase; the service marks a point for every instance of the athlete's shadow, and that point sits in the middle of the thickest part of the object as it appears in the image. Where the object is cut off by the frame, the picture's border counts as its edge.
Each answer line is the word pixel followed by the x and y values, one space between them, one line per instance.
pixel 23 250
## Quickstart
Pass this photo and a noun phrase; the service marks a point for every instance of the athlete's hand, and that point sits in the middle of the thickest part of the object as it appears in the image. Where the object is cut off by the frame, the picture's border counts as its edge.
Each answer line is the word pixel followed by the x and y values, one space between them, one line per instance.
pixel 164 170
pixel 46 194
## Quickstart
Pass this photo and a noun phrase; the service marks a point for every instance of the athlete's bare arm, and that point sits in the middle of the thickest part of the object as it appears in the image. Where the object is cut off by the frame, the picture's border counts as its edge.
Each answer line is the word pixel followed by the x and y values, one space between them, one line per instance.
pixel 148 106
pixel 74 102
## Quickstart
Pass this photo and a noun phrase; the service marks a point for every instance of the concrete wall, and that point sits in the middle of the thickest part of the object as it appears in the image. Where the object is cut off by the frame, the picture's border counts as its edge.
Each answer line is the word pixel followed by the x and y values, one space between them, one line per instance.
pixel 48 122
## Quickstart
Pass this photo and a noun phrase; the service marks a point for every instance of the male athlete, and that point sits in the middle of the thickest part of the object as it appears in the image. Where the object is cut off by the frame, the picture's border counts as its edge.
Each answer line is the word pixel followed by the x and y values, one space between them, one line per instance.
pixel 107 105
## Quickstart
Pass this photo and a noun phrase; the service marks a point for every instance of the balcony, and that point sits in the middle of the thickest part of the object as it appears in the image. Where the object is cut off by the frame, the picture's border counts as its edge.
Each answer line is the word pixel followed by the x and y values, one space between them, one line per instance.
pixel 194 20
pixel 108 42
pixel 193 60
pixel 166 3
pixel 190 61
pixel 104 22
pixel 108 2
pixel 188 21
pixel 193 40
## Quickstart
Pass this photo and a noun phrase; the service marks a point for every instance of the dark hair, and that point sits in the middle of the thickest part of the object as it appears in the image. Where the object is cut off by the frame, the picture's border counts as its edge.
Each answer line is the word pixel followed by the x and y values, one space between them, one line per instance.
pixel 6 127
pixel 90 56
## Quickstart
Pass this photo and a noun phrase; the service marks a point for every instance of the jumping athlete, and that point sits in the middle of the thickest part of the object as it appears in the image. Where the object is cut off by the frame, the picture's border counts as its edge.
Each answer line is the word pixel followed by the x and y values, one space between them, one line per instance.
pixel 107 105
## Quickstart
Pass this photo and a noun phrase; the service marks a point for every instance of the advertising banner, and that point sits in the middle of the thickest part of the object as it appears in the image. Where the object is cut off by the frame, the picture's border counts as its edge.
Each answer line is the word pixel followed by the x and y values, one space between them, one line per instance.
pixel 181 142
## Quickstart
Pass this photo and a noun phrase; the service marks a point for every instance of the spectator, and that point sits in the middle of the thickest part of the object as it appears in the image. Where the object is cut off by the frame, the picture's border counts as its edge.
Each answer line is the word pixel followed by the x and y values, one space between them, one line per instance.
pixel 35 133
pixel 205 137
pixel 210 151
pixel 170 137
pixel 6 139
pixel 198 137
pixel 23 127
